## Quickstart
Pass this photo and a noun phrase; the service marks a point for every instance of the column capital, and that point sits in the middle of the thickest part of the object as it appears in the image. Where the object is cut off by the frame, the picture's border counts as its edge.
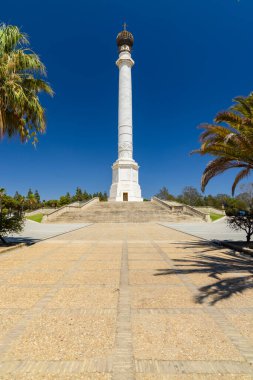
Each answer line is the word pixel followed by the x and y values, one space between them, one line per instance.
pixel 125 58
pixel 127 61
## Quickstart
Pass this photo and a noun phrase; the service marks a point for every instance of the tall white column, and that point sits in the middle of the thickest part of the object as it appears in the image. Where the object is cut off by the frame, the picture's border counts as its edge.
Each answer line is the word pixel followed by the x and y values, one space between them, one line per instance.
pixel 125 124
pixel 125 186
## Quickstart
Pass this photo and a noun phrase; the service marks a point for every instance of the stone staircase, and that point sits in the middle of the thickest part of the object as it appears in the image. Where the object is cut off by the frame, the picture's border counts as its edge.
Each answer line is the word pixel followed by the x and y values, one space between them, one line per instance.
pixel 123 212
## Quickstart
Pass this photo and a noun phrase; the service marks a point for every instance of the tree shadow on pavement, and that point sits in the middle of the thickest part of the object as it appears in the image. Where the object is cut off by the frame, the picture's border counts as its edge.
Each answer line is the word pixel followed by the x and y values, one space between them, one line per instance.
pixel 218 270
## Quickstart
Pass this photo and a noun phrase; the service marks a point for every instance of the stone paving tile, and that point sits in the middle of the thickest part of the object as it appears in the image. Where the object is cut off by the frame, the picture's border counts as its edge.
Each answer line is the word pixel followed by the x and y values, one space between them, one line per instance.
pixel 104 256
pixel 5 274
pixel 150 277
pixel 78 322
pixel 242 322
pixel 78 247
pixel 51 376
pixel 95 298
pixel 187 257
pixel 173 297
pixel 151 264
pixel 105 277
pixel 68 255
pixel 140 245
pixel 203 279
pixel 70 337
pixel 184 376
pixel 35 277
pixel 143 256
pixel 52 265
pixel 15 297
pixel 141 250
pixel 8 320
pixel 100 265
pixel 236 301
pixel 11 265
pixel 190 337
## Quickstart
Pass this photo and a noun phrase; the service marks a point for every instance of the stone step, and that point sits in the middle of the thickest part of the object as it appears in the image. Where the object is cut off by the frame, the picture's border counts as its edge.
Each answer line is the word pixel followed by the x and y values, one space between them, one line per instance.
pixel 123 212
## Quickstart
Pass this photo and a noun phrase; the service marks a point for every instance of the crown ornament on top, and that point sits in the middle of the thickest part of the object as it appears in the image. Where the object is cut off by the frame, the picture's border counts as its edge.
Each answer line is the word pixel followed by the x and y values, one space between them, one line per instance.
pixel 125 39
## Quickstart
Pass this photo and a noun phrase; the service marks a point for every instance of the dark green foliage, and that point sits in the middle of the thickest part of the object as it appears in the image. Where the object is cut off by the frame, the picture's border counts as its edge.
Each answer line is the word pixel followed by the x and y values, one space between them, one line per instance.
pixel 229 141
pixel 165 195
pixel 191 196
pixel 10 222
pixel 64 200
pixel 239 220
pixel 37 196
pixel 78 195
pixel 247 195
pixel 17 196
pixel 21 81
pixel 52 203
pixel 102 196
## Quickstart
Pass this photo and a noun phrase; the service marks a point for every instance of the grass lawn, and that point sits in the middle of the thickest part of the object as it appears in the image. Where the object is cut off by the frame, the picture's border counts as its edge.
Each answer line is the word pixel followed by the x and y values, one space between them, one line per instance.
pixel 214 216
pixel 35 218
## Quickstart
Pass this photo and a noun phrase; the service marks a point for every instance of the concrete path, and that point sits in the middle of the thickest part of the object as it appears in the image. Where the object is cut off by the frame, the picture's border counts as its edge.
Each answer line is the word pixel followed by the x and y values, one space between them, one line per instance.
pixel 210 231
pixel 124 302
pixel 34 231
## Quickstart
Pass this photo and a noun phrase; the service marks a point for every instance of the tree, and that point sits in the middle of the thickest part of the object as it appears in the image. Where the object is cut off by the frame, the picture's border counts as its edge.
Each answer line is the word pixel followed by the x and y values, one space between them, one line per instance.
pixel 164 194
pixel 105 197
pixel 247 195
pixel 230 144
pixel 51 203
pixel 2 193
pixel 65 199
pixel 191 196
pixel 37 196
pixel 17 195
pixel 10 223
pixel 86 195
pixel 31 201
pixel 78 195
pixel 21 80
pixel 242 221
pixel 9 203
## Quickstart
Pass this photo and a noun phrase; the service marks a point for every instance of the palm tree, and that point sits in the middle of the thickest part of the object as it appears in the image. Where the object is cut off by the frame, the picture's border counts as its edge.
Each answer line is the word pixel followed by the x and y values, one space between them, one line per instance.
pixel 31 201
pixel 230 141
pixel 21 80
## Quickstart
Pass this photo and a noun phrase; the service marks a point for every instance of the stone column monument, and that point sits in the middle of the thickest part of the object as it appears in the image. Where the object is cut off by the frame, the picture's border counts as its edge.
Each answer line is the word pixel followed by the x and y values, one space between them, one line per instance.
pixel 125 186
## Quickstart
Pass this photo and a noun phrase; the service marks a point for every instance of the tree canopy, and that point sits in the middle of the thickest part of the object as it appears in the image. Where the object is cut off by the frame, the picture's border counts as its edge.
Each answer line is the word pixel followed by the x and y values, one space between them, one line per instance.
pixel 21 80
pixel 230 141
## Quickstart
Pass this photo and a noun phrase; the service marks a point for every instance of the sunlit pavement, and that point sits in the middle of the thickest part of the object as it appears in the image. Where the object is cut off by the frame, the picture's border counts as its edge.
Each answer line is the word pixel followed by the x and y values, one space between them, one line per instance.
pixel 125 301
pixel 218 230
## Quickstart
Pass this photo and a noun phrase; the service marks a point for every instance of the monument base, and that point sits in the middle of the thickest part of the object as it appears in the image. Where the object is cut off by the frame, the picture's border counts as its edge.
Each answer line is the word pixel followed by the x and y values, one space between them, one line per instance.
pixel 125 186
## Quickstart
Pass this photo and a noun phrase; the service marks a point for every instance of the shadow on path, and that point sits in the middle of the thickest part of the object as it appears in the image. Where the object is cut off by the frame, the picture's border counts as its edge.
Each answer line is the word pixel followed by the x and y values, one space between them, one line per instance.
pixel 217 268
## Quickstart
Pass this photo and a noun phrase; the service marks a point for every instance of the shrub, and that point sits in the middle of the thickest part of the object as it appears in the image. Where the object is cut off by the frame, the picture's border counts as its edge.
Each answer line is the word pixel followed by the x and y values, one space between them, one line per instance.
pixel 242 221
pixel 10 223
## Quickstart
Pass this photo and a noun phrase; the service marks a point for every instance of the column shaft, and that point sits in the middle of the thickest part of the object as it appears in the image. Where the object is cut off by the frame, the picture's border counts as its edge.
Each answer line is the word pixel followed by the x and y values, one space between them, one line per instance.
pixel 125 128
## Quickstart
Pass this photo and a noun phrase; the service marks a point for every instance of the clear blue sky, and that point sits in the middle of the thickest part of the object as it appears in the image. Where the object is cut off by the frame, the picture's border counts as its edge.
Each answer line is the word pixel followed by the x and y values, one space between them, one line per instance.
pixel 192 57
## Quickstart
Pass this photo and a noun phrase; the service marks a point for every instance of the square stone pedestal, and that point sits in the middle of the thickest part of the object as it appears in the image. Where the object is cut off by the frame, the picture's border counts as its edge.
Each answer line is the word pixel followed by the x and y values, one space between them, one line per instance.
pixel 125 186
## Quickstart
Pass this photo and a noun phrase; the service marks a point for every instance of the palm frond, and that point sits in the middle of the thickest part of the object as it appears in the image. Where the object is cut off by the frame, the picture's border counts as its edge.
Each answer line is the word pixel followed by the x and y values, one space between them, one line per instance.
pixel 21 81
pixel 10 38
pixel 216 167
pixel 242 174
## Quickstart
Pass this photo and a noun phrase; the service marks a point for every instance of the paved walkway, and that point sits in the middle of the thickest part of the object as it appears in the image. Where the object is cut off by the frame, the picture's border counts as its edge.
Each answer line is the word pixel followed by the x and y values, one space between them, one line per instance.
pixel 34 231
pixel 211 231
pixel 124 302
